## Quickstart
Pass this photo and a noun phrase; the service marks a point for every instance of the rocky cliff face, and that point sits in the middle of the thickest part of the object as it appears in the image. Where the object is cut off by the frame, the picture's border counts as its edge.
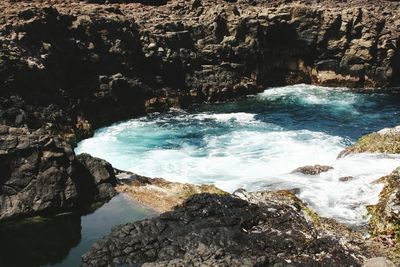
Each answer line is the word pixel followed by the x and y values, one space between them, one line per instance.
pixel 73 66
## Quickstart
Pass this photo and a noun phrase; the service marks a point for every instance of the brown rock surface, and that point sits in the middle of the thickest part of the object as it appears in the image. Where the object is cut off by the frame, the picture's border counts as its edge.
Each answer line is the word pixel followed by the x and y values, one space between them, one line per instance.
pixel 160 194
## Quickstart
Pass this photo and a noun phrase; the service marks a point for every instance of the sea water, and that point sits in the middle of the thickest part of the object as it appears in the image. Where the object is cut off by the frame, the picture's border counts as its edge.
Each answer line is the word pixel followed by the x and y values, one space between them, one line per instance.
pixel 256 142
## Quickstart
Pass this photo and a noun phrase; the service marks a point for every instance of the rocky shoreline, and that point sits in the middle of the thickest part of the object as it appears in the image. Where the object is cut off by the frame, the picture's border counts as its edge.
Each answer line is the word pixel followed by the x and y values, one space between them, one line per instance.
pixel 67 68
pixel 70 67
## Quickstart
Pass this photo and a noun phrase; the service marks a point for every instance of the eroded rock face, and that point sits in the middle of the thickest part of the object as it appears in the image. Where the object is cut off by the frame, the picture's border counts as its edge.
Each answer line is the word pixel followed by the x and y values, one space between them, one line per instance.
pixel 41 175
pixel 215 230
pixel 313 170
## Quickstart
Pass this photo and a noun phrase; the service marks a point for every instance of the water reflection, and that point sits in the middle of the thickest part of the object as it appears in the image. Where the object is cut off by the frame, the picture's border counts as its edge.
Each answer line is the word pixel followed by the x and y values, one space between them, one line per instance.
pixel 38 241
pixel 63 239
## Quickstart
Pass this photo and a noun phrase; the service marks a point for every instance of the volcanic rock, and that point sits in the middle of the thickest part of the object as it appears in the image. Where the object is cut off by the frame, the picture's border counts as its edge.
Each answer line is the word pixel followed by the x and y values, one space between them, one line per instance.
pixel 40 174
pixel 224 230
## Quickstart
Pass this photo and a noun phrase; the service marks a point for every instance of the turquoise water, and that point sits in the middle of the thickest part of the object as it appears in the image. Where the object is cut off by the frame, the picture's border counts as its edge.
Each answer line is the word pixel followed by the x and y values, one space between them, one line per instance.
pixel 256 142
pixel 62 240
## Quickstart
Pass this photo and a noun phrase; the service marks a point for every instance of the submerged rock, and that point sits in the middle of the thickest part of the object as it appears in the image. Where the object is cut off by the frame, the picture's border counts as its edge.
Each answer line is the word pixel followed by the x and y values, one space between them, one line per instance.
pixel 40 174
pixel 264 229
pixel 384 141
pixel 160 194
pixel 313 170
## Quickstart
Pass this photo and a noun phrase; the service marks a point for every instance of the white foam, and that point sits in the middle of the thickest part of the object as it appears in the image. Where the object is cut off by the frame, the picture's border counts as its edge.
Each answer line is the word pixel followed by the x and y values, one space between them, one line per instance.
pixel 338 98
pixel 241 117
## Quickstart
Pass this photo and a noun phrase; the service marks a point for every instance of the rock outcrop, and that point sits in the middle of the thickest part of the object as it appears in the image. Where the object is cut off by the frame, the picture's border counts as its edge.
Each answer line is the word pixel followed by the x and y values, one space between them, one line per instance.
pixel 266 229
pixel 40 174
pixel 384 141
pixel 159 194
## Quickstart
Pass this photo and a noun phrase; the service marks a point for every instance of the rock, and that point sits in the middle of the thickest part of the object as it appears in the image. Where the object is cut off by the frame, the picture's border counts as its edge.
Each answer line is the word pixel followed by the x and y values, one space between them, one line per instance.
pixel 145 2
pixel 378 262
pixel 313 170
pixel 160 194
pixel 222 230
pixel 101 173
pixel 41 175
pixel 384 141
pixel 385 219
pixel 385 216
pixel 346 178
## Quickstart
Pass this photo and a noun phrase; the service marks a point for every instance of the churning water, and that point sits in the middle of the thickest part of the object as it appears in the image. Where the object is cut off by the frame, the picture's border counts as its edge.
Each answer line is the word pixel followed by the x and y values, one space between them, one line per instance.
pixel 255 143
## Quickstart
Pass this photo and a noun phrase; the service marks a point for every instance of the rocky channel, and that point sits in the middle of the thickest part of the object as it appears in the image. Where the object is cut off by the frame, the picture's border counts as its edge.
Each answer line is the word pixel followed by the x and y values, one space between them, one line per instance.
pixel 70 67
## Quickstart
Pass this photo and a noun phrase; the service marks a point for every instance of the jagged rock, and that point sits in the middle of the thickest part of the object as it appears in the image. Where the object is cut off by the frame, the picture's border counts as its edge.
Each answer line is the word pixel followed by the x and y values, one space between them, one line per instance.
pixel 41 175
pixel 158 193
pixel 384 141
pixel 215 230
pixel 313 170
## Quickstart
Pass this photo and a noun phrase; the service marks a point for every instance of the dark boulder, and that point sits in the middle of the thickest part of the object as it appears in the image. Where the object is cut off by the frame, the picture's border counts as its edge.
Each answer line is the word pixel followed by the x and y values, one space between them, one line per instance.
pixel 40 174
pixel 101 175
